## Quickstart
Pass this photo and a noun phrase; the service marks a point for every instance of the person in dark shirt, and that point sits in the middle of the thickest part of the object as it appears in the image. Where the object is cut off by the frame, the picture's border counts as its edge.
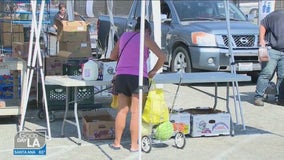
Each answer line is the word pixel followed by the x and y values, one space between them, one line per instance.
pixel 61 15
pixel 271 37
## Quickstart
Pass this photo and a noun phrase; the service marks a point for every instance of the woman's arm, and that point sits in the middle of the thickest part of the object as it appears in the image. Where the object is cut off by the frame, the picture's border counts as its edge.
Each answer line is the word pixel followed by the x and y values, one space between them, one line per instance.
pixel 262 31
pixel 152 45
pixel 115 52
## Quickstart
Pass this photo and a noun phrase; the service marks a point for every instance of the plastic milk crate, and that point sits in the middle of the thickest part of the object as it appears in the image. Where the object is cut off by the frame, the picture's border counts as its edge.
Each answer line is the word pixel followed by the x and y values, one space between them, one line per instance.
pixel 55 96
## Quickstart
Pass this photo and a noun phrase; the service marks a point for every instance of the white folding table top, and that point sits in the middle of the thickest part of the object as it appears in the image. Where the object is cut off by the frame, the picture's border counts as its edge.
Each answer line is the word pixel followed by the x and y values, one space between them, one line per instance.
pixel 73 81
pixel 199 77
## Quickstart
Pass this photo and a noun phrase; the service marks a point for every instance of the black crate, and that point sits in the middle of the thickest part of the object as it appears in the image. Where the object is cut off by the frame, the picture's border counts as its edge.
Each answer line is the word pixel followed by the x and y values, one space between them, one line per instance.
pixel 72 70
pixel 73 67
pixel 55 96
pixel 85 95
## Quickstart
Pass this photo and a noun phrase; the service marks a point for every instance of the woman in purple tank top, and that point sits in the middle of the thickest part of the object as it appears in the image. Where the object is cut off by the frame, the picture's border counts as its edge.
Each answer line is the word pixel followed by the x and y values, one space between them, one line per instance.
pixel 126 52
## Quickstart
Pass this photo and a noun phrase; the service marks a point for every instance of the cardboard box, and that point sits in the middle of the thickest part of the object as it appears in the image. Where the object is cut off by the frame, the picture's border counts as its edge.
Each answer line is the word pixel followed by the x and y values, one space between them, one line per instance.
pixel 72 31
pixel 181 122
pixel 75 49
pixel 21 49
pixel 8 38
pixel 97 125
pixel 11 27
pixel 107 69
pixel 209 122
pixel 54 65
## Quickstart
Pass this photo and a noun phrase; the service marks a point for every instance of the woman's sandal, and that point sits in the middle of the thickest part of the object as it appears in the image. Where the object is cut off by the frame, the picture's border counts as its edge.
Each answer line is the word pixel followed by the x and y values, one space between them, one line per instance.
pixel 114 147
pixel 134 150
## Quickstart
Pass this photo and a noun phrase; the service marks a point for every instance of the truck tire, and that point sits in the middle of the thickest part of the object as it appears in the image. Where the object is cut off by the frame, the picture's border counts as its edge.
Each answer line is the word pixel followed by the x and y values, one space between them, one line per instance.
pixel 181 60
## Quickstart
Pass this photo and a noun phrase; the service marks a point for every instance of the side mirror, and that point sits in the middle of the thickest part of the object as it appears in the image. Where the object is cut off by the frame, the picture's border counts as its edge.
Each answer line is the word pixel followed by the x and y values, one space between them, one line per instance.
pixel 254 12
pixel 165 19
pixel 250 17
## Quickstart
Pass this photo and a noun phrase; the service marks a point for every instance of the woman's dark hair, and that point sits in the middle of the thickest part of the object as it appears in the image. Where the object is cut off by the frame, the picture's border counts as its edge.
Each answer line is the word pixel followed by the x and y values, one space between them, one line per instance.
pixel 61 5
pixel 138 25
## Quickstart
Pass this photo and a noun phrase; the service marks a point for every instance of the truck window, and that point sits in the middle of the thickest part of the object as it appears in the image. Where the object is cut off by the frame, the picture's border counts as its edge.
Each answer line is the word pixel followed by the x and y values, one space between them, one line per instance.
pixel 215 10
pixel 207 10
pixel 165 9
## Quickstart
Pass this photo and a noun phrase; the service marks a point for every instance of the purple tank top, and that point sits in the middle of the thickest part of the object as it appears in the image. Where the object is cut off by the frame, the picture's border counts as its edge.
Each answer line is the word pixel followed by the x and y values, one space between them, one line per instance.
pixel 129 60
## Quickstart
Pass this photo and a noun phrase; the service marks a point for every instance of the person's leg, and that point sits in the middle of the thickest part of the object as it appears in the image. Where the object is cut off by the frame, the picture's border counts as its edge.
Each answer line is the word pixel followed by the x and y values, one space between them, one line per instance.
pixel 264 77
pixel 280 73
pixel 134 122
pixel 120 120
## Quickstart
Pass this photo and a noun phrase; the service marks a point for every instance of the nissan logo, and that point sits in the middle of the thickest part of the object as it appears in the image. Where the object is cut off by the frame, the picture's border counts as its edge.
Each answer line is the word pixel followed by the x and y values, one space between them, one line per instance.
pixel 244 40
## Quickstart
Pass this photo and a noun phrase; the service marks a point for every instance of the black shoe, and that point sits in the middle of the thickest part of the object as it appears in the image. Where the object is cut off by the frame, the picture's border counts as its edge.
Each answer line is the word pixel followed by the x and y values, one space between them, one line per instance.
pixel 276 100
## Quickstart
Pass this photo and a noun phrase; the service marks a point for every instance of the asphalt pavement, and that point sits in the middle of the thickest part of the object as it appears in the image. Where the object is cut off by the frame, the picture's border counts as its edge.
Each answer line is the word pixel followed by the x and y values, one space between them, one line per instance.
pixel 259 135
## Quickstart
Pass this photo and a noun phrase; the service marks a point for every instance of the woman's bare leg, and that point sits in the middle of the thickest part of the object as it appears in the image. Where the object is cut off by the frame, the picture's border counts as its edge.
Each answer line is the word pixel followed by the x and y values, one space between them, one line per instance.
pixel 134 122
pixel 120 120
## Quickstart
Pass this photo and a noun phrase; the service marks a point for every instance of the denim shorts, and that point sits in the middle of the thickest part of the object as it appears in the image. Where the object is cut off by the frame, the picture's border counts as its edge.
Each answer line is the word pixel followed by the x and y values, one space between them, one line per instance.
pixel 129 84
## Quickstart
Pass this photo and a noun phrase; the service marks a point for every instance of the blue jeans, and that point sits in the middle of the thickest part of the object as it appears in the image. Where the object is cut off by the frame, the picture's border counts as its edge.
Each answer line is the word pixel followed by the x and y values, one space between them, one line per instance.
pixel 275 63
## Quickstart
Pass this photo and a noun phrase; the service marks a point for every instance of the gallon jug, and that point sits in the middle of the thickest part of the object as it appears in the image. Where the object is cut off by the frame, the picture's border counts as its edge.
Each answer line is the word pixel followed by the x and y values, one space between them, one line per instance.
pixel 90 70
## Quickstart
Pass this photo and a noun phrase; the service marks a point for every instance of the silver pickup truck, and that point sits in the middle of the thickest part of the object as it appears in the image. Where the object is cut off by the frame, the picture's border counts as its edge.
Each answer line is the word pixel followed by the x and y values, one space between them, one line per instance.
pixel 195 36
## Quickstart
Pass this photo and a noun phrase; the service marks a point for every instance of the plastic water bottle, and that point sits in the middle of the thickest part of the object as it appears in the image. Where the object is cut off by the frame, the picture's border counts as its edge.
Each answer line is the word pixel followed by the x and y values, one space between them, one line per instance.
pixel 90 70
pixel 263 55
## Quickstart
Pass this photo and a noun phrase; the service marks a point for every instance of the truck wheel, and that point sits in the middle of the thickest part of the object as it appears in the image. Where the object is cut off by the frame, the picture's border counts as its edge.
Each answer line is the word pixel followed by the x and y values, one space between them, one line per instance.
pixel 181 60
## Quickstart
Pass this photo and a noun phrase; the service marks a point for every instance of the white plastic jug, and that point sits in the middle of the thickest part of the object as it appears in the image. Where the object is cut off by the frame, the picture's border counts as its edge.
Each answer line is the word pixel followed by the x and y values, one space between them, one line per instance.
pixel 90 70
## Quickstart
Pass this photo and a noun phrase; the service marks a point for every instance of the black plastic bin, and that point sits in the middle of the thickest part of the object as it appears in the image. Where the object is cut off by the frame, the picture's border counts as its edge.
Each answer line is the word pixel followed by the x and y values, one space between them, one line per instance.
pixel 56 94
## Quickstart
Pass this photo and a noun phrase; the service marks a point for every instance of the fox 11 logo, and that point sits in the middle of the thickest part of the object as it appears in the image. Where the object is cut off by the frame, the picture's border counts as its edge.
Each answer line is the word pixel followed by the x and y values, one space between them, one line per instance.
pixel 29 143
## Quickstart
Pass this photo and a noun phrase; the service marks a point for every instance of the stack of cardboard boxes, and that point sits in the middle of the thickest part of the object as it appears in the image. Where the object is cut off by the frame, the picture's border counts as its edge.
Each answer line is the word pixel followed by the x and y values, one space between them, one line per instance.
pixel 74 40
pixel 12 38
pixel 11 32
pixel 74 49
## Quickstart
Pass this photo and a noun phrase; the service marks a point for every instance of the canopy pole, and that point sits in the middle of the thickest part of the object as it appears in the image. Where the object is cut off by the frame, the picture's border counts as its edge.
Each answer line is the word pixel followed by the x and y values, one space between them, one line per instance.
pixel 233 67
pixel 32 58
pixel 141 62
pixel 111 31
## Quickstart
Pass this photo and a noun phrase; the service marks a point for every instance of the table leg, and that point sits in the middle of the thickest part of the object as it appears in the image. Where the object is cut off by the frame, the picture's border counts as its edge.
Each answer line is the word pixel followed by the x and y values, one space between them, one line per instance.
pixel 216 96
pixel 66 111
pixel 76 115
pixel 232 130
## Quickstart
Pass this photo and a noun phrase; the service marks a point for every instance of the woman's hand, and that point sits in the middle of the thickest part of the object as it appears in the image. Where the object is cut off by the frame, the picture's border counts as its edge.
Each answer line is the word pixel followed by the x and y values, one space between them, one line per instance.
pixel 152 73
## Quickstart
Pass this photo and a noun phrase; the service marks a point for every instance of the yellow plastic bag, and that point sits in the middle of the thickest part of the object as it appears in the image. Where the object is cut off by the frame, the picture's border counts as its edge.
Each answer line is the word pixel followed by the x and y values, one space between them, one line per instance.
pixel 114 102
pixel 156 110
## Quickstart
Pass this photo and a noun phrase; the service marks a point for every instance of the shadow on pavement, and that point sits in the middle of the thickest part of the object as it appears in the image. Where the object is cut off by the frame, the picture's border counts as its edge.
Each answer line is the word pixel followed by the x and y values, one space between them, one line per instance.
pixel 248 131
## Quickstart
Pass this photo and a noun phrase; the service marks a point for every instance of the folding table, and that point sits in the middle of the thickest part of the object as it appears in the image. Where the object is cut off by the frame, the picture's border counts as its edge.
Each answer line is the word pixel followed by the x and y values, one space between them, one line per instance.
pixel 206 77
pixel 73 82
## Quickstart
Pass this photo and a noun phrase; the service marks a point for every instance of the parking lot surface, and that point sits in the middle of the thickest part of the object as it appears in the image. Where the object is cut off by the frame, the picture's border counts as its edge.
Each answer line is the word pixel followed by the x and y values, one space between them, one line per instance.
pixel 262 138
